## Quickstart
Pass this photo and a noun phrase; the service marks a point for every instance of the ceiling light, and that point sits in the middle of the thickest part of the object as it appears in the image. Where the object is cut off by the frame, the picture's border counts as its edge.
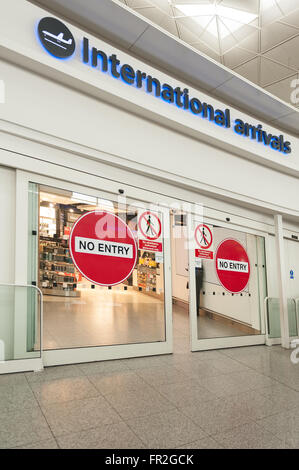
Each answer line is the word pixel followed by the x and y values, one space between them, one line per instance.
pixel 231 19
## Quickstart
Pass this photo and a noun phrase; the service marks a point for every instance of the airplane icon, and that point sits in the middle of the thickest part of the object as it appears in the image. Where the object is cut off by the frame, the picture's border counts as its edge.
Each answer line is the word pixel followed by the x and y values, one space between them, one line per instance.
pixel 58 38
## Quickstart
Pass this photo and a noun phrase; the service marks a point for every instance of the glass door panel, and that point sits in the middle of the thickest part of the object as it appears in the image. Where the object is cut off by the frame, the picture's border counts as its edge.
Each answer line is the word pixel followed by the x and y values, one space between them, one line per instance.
pixel 227 286
pixel 80 313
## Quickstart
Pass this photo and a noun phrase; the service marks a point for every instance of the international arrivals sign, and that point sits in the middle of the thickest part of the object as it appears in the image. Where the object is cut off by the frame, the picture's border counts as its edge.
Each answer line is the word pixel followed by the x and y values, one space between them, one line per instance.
pixel 59 42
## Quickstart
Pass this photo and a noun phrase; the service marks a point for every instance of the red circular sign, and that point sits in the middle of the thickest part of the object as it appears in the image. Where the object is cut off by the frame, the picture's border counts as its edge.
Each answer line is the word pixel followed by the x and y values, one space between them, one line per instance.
pixel 203 236
pixel 232 265
pixel 150 225
pixel 103 248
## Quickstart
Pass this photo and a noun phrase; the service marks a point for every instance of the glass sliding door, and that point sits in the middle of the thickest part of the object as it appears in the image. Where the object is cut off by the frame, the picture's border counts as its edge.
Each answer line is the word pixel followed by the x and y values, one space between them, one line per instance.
pixel 86 319
pixel 227 286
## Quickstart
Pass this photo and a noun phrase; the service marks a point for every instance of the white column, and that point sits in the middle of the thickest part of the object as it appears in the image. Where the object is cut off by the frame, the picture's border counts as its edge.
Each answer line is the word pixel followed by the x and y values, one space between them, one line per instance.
pixel 281 273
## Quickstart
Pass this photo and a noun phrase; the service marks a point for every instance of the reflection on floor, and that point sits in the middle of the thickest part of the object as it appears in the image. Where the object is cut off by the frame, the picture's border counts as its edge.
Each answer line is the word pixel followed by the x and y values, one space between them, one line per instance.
pixel 102 317
pixel 211 328
pixel 105 317
pixel 207 327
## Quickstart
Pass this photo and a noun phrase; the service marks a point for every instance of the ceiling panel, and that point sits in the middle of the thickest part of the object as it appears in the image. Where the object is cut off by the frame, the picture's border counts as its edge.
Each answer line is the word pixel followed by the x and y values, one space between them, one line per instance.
pixel 273 72
pixel 238 92
pixel 274 34
pixel 237 56
pixel 250 70
pixel 286 53
pixel 283 89
pixel 156 46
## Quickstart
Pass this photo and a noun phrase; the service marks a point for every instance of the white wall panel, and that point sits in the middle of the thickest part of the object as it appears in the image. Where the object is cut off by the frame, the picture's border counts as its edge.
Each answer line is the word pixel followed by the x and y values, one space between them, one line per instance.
pixel 40 104
pixel 7 243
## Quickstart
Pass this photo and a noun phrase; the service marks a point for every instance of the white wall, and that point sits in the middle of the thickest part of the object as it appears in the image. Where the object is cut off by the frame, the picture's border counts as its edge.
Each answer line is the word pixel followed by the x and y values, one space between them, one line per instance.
pixel 7 243
pixel 291 253
pixel 292 263
pixel 179 262
pixel 40 104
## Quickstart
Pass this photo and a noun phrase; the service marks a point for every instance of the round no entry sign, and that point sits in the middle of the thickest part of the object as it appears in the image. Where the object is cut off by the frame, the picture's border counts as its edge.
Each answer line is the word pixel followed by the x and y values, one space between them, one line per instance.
pixel 232 265
pixel 103 248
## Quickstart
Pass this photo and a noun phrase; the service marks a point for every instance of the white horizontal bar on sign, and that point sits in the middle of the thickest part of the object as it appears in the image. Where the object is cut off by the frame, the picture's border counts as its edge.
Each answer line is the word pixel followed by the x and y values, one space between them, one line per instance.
pixel 232 265
pixel 103 247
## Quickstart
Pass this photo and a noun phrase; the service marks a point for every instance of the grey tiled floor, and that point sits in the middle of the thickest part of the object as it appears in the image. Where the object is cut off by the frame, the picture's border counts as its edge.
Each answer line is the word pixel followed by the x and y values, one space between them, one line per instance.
pixel 234 398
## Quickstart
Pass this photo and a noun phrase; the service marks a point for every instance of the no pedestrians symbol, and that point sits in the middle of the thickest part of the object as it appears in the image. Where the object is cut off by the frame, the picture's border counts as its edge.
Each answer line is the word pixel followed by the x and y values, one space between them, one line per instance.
pixel 150 225
pixel 204 238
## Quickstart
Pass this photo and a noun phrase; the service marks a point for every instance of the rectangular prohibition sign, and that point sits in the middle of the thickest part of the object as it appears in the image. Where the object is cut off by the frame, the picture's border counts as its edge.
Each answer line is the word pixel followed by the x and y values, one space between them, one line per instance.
pixel 103 247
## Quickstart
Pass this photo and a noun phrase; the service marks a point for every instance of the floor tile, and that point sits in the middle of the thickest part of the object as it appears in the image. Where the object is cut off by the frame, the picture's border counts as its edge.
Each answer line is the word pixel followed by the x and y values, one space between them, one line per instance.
pixel 13 379
pixel 78 415
pixel 160 375
pixel 226 365
pixel 283 396
pixel 197 369
pixel 208 355
pixel 103 367
pixel 63 390
pixel 112 436
pixel 253 380
pixel 258 404
pixel 47 444
pixel 186 393
pixel 166 430
pixel 249 436
pixel 14 397
pixel 23 427
pixel 285 426
pixel 109 383
pixel 145 362
pixel 223 384
pixel 216 415
pixel 205 443
pixel 137 403
pixel 290 380
pixel 52 373
pixel 246 351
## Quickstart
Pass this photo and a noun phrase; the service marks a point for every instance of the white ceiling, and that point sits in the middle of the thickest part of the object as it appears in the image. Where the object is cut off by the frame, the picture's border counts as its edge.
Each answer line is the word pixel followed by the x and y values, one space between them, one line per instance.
pixel 265 51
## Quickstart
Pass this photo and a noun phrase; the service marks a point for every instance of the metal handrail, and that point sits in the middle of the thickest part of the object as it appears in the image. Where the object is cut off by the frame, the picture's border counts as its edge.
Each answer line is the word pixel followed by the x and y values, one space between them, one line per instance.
pixel 295 300
pixel 40 308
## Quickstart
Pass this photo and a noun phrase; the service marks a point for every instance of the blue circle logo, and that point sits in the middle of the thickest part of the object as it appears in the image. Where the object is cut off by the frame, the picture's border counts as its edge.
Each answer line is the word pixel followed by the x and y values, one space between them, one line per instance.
pixel 56 38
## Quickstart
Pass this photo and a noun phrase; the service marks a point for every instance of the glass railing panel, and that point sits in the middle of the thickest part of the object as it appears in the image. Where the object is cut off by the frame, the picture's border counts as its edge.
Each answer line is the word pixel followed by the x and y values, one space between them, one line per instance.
pixel 20 322
pixel 273 317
